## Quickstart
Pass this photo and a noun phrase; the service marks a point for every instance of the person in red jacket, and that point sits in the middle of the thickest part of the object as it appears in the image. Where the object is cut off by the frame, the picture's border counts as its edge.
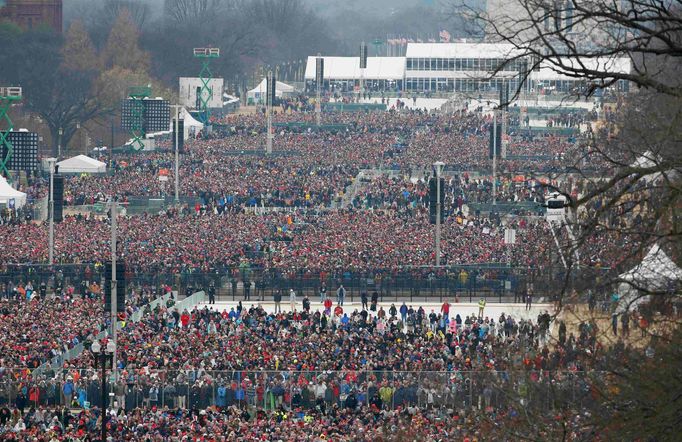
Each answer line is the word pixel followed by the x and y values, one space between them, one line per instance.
pixel 184 319
pixel 327 306
pixel 445 310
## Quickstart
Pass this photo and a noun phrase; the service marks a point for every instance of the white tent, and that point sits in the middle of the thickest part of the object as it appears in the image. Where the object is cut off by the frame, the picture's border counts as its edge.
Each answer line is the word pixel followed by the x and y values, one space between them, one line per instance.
pixel 8 193
pixel 81 164
pixel 656 273
pixel 258 93
pixel 192 125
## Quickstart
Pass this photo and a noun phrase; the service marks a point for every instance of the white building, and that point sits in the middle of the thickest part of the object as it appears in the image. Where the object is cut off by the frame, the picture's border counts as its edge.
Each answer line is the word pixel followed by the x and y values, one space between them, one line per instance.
pixel 452 67
pixel 460 67
pixel 344 73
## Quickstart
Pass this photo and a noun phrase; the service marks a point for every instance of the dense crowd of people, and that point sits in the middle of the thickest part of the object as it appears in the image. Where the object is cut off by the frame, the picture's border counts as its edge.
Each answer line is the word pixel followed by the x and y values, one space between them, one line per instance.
pixel 320 373
pixel 311 168
pixel 302 374
pixel 201 239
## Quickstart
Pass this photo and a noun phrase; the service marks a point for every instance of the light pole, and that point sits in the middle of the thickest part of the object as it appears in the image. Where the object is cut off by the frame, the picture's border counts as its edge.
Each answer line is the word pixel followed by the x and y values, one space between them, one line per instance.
pixel 59 143
pixel 438 171
pixel 51 164
pixel 494 157
pixel 177 153
pixel 114 294
pixel 103 355
pixel 270 93
pixel 319 78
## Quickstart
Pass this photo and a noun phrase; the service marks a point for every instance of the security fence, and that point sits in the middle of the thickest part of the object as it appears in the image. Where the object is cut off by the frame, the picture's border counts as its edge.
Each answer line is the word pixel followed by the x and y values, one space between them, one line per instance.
pixel 199 389
pixel 494 281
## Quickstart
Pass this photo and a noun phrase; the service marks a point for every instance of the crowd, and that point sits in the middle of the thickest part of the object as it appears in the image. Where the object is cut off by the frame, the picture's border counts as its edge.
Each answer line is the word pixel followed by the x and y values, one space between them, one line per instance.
pixel 399 193
pixel 202 238
pixel 302 375
pixel 311 168
pixel 234 424
pixel 39 322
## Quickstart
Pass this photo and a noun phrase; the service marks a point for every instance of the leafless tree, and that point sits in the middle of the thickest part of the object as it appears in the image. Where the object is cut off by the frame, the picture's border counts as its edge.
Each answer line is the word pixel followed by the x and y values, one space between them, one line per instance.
pixel 584 39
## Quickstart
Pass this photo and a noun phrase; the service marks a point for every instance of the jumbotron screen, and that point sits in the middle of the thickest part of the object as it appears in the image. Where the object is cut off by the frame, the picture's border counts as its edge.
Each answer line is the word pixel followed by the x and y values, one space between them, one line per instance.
pixel 155 115
pixel 25 150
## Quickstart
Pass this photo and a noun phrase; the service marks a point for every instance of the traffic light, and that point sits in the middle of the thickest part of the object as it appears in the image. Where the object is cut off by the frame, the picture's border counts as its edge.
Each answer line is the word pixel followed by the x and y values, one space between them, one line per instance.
pixel 120 287
pixel 495 140
pixel 58 195
pixel 433 191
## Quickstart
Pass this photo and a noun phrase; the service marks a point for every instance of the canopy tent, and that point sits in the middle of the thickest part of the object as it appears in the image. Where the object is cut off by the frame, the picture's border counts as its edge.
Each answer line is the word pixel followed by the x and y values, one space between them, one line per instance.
pixel 8 193
pixel 656 273
pixel 82 164
pixel 191 125
pixel 258 93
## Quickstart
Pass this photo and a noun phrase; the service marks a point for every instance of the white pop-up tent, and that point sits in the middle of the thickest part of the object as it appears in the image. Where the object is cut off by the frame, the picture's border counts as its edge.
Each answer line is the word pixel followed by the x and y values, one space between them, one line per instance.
pixel 192 125
pixel 258 93
pixel 81 164
pixel 656 273
pixel 8 193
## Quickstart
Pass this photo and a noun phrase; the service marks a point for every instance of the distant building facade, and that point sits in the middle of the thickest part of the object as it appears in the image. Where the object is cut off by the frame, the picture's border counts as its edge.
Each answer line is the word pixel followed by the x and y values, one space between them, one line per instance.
pixel 457 67
pixel 30 14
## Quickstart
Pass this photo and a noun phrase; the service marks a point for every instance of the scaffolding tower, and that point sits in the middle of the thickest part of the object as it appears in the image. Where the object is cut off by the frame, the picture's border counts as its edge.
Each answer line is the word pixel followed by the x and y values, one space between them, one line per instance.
pixel 206 92
pixel 8 96
pixel 136 94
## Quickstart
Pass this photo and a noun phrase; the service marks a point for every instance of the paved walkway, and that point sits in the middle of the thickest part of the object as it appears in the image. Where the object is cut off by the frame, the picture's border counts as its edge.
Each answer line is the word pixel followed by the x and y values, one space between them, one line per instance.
pixel 491 310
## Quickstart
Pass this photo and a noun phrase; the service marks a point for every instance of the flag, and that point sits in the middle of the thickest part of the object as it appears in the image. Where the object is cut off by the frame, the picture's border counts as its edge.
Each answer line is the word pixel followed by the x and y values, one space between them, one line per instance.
pixel 444 36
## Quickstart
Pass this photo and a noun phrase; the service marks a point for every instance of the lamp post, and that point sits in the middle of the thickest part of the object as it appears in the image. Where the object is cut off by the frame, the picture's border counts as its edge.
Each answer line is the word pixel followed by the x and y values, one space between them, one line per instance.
pixel 59 143
pixel 495 147
pixel 51 164
pixel 177 152
pixel 438 171
pixel 103 355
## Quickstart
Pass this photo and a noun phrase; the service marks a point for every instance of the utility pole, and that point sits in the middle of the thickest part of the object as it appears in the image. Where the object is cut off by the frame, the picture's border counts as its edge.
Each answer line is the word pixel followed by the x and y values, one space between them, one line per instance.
pixel 51 164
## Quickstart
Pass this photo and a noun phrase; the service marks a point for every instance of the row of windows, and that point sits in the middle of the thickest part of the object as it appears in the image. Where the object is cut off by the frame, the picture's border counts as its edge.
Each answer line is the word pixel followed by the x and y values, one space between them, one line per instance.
pixel 576 85
pixel 463 64
pixel 456 84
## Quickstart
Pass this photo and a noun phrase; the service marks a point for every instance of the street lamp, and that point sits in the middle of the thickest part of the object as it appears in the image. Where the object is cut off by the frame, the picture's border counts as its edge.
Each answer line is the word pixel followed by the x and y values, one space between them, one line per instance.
pixel 438 167
pixel 59 143
pixel 177 108
pixel 103 355
pixel 51 164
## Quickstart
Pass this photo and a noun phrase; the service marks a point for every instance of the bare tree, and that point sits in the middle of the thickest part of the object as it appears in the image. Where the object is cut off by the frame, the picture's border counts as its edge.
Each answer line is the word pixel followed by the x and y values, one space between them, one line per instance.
pixel 584 39
pixel 624 188
pixel 194 12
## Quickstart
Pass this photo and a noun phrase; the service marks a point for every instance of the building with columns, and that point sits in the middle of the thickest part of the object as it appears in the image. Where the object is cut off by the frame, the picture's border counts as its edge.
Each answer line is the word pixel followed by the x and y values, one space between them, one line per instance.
pixel 30 14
